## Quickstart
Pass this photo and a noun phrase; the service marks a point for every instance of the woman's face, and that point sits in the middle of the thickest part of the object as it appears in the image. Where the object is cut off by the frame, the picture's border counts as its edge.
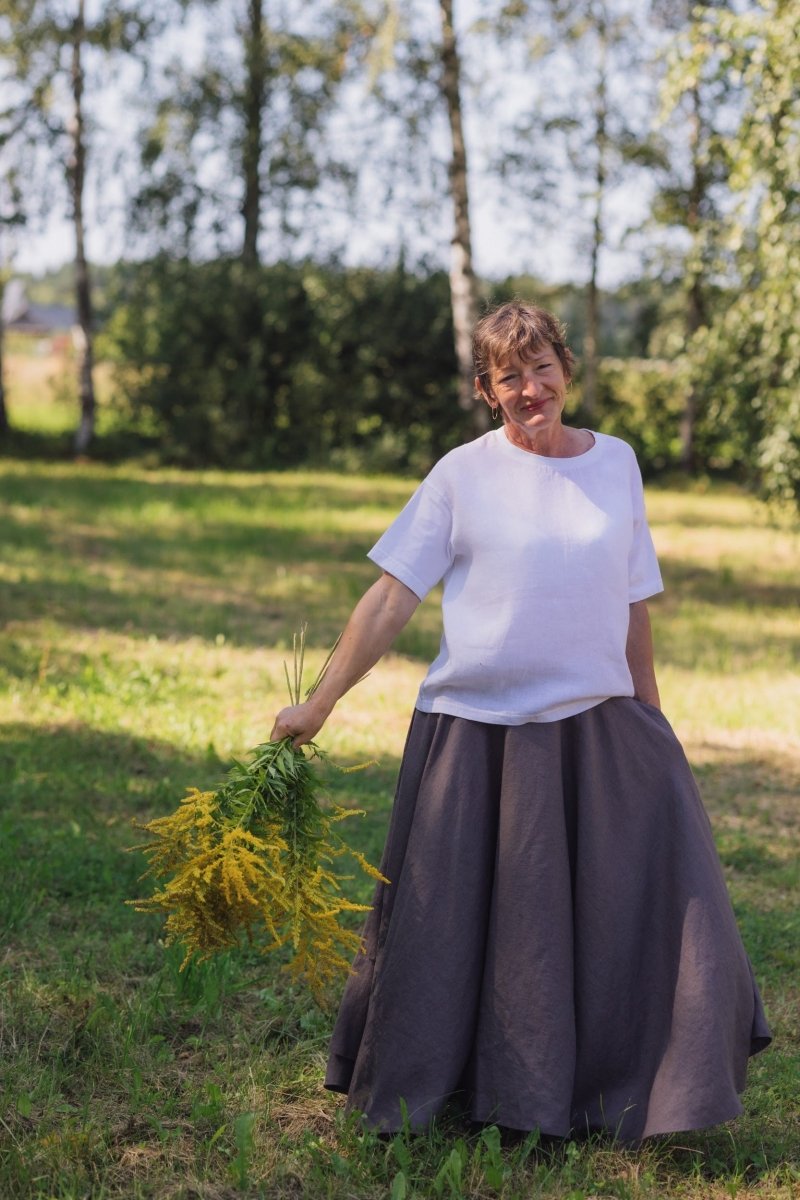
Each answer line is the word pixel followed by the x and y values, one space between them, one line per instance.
pixel 531 392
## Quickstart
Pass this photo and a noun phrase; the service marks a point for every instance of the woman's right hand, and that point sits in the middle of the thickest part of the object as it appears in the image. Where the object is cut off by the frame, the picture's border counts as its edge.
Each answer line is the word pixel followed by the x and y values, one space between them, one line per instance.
pixel 375 622
pixel 301 722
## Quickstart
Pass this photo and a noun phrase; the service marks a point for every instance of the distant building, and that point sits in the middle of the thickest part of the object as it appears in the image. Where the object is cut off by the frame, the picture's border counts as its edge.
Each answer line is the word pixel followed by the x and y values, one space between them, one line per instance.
pixel 39 320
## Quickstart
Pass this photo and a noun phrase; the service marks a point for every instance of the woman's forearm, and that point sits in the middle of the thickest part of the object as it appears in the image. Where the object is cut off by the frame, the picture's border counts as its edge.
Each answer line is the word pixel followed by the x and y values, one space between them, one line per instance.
pixel 639 652
pixel 375 622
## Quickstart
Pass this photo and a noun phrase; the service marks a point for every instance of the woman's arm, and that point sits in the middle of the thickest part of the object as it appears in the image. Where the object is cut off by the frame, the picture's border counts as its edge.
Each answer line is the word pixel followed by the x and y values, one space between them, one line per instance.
pixel 374 624
pixel 639 652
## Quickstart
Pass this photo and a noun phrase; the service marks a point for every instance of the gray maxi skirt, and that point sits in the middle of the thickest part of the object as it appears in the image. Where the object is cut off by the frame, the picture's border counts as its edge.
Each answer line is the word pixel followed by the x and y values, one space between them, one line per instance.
pixel 557 944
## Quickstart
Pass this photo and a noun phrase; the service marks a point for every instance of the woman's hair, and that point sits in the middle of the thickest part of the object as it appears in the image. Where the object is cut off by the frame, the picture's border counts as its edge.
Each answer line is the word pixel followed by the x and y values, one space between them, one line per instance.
pixel 517 328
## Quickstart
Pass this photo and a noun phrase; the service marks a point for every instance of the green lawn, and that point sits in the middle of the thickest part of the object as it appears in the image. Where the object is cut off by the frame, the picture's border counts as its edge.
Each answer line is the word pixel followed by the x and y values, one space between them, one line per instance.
pixel 147 616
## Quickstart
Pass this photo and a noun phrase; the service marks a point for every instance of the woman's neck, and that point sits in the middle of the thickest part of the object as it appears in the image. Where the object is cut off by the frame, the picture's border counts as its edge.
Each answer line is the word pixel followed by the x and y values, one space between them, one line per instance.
pixel 557 441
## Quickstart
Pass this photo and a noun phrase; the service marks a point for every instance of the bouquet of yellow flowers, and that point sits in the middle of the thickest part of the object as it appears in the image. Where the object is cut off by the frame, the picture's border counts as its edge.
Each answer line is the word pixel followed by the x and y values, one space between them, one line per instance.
pixel 257 857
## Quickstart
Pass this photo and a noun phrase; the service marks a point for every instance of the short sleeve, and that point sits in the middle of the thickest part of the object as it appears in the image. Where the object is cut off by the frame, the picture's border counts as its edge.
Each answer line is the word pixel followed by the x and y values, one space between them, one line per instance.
pixel 644 576
pixel 416 548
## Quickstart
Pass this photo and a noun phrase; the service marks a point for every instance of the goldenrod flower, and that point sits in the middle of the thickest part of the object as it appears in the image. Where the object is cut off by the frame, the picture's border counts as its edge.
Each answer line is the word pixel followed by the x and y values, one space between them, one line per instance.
pixel 255 858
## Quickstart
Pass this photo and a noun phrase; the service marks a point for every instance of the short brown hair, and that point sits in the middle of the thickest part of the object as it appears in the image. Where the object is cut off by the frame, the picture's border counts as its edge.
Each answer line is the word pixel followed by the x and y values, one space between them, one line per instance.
pixel 517 328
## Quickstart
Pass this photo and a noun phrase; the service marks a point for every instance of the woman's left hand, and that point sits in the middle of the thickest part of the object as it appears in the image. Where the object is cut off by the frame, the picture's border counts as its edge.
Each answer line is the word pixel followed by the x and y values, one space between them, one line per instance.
pixel 639 652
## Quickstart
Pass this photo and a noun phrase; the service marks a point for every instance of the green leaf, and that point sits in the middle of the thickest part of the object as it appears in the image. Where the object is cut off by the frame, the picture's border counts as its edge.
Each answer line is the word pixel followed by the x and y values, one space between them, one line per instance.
pixel 399 1187
pixel 402 1154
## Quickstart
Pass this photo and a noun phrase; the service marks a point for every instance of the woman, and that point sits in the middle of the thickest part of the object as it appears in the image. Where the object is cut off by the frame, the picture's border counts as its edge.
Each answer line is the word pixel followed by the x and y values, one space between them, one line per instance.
pixel 556 943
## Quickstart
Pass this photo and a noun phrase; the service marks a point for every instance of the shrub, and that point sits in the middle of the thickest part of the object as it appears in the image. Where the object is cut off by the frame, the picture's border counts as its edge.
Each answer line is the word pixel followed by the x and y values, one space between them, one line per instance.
pixel 286 364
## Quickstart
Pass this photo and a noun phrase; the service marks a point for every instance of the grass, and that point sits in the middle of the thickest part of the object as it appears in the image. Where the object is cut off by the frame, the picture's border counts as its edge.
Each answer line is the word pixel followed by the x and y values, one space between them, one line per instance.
pixel 147 616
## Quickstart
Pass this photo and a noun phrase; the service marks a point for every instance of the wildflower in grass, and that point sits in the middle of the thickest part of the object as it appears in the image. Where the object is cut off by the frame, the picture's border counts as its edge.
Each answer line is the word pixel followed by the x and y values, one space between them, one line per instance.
pixel 258 857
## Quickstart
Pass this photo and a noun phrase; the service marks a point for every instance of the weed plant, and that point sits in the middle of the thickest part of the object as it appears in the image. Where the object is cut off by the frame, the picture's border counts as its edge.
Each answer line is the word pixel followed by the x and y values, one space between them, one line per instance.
pixel 257 857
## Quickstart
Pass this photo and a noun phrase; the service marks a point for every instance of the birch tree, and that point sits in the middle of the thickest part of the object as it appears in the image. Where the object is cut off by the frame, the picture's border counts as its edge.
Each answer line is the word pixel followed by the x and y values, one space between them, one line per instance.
pixel 692 186
pixel 233 148
pixel 416 78
pixel 44 49
pixel 76 176
pixel 12 216
pixel 585 133
pixel 463 289
pixel 253 100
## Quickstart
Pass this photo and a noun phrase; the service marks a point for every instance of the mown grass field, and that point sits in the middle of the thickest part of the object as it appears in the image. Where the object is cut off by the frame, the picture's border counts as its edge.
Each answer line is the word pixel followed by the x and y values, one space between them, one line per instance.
pixel 146 619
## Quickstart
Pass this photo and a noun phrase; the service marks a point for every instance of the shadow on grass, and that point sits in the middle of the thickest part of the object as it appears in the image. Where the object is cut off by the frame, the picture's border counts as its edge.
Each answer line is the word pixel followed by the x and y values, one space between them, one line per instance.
pixel 165 609
pixel 83 488
pixel 204 541
pixel 176 558
pixel 749 1151
pixel 251 605
pixel 69 796
pixel 74 772
pixel 752 803
pixel 710 585
pixel 115 446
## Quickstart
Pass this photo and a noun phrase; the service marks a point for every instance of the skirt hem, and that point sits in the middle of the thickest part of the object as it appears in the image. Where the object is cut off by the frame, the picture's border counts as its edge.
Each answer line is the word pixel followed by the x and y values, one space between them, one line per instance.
pixel 481 1115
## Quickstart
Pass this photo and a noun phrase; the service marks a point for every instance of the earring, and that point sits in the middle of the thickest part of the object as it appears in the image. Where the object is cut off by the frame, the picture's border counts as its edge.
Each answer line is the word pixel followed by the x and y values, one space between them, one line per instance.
pixel 494 411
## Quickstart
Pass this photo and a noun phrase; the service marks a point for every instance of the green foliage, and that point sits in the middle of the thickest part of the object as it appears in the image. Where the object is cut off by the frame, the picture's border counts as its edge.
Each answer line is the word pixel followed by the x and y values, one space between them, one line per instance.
pixel 637 400
pixel 299 363
pixel 351 367
pixel 207 363
pixel 286 364
pixel 746 363
pixel 629 315
pixel 641 400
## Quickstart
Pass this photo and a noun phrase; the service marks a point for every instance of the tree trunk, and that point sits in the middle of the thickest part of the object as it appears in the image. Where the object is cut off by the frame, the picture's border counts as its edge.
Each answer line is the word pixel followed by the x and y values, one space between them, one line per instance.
pixel 83 295
pixel 591 345
pixel 696 316
pixel 3 408
pixel 463 287
pixel 590 342
pixel 695 319
pixel 253 107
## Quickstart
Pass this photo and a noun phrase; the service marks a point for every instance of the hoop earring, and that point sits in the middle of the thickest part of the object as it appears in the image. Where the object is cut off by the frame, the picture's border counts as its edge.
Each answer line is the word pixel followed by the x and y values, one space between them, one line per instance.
pixel 494 411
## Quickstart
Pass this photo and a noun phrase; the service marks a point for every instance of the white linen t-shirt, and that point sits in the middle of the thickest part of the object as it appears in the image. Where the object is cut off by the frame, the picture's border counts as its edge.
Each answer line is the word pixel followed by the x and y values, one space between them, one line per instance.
pixel 540 559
